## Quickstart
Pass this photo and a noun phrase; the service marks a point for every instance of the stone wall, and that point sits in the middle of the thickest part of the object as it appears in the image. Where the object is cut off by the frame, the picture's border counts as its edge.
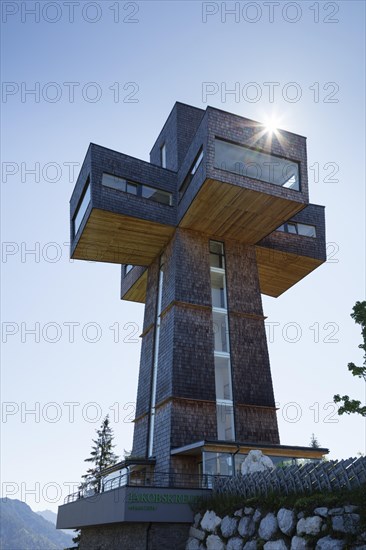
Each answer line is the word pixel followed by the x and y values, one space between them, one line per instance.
pixel 135 536
pixel 251 529
pixel 324 528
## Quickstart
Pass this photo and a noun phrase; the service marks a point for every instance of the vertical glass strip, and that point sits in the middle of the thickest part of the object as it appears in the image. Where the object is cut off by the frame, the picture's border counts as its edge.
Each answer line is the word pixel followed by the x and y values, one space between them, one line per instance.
pixel 155 364
pixel 224 393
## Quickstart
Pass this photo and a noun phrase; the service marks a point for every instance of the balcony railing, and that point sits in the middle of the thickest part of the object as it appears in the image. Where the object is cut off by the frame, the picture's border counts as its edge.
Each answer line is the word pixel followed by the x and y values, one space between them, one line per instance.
pixel 146 479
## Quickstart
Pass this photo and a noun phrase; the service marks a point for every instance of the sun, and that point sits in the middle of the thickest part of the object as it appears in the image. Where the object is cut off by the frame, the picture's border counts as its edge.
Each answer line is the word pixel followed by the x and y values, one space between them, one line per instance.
pixel 271 124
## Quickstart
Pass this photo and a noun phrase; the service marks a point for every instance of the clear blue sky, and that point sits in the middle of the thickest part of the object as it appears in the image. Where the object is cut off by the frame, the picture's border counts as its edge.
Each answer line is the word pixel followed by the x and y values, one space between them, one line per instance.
pixel 168 54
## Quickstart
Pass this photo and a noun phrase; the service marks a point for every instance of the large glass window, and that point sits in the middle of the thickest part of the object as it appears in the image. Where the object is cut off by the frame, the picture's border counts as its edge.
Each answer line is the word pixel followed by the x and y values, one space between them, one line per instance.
pixel 114 182
pixel 256 164
pixel 156 195
pixel 138 189
pixel 306 230
pixel 217 463
pixel 291 228
pixel 298 229
pixel 132 188
pixel 224 394
pixel 82 207
pixel 278 461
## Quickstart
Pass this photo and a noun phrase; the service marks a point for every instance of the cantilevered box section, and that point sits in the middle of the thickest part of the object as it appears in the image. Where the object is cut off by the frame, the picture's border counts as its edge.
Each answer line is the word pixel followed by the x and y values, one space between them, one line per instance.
pixel 121 209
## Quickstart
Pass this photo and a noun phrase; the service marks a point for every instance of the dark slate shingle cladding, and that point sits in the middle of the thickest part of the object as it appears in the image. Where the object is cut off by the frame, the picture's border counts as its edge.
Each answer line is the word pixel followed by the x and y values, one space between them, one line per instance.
pixel 132 169
pixel 177 134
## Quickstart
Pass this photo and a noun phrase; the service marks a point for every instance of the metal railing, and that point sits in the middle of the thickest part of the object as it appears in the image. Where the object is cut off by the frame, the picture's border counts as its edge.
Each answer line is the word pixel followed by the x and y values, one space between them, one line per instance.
pixel 145 479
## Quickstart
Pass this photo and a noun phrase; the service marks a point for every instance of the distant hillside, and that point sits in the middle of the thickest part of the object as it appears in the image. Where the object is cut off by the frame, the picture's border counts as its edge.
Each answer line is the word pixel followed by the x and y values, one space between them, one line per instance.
pixel 48 515
pixel 52 517
pixel 23 529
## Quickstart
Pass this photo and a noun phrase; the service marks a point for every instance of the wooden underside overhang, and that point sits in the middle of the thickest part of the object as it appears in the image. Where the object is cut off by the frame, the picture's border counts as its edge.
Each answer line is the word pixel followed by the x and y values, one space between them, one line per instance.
pixel 278 271
pixel 121 239
pixel 234 212
pixel 281 451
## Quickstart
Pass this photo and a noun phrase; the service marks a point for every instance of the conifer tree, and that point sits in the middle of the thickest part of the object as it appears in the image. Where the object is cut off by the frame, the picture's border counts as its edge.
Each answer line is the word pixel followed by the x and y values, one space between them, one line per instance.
pixel 314 443
pixel 101 456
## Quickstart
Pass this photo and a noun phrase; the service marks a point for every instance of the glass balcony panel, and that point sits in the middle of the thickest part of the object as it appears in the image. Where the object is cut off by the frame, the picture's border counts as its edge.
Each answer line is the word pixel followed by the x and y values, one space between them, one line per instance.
pixel 255 164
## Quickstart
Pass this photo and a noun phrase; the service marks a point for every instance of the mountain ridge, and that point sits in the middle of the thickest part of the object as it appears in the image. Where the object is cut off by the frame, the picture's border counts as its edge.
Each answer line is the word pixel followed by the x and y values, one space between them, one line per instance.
pixel 23 529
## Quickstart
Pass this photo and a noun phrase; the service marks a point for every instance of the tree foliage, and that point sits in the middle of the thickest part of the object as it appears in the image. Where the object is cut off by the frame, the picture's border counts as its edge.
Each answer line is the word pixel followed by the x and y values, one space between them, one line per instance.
pixel 77 538
pixel 351 406
pixel 101 456
pixel 314 443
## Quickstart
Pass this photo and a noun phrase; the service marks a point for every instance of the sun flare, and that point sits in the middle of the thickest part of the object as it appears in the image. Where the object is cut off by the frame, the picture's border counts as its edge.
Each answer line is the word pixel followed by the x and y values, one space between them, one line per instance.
pixel 271 124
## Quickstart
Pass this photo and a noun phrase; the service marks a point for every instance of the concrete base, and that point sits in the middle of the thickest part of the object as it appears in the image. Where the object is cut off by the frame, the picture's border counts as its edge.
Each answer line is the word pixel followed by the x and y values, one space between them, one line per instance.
pixel 131 505
pixel 135 536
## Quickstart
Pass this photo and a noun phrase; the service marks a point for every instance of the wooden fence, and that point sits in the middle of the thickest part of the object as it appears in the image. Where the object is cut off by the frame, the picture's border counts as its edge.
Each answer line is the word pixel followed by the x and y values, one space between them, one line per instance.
pixel 308 478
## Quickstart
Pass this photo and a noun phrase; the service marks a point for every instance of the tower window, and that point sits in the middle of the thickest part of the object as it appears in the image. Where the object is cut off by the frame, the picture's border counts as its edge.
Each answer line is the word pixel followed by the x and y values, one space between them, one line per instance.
pixel 82 207
pixel 163 155
pixel 193 169
pixel 138 189
pixel 221 343
pixel 298 229
pixel 256 164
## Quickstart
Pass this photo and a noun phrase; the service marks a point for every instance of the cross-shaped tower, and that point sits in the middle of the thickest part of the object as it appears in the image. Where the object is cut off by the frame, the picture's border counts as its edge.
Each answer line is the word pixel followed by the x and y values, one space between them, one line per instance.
pixel 220 215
